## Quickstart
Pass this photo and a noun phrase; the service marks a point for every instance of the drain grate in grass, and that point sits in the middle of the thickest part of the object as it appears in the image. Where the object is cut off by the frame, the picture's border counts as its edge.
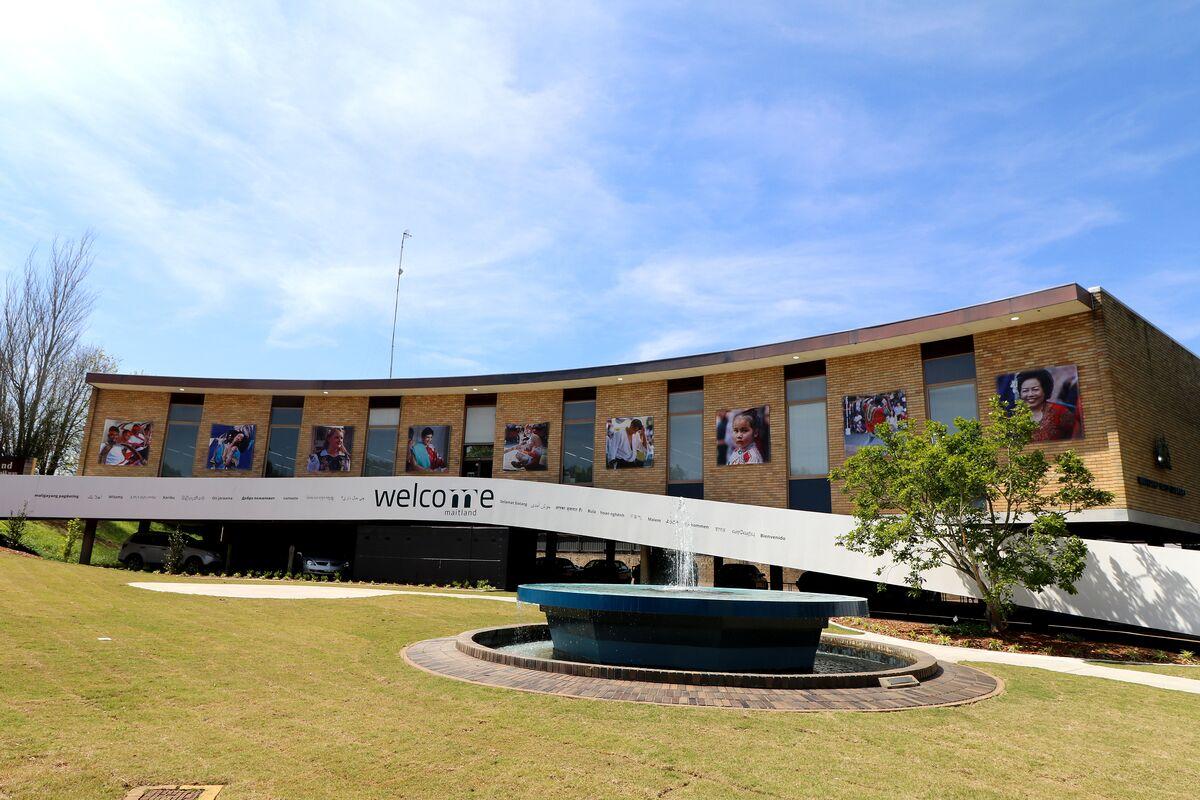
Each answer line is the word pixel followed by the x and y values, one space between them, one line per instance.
pixel 183 791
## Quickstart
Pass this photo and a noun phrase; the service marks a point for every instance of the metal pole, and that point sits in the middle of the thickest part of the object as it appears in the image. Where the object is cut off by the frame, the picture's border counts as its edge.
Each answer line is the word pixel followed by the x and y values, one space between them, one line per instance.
pixel 396 305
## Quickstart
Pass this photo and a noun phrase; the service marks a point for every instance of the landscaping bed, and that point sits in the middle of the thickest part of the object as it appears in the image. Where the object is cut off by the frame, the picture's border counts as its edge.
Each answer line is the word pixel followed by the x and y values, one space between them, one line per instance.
pixel 965 634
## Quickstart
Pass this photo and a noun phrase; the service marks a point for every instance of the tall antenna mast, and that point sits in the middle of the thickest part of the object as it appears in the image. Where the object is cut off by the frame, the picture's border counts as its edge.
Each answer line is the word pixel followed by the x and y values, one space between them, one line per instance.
pixel 396 305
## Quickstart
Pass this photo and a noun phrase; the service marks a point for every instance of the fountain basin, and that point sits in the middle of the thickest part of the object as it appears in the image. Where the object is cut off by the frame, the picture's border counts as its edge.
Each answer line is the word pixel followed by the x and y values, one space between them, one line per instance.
pixel 712 630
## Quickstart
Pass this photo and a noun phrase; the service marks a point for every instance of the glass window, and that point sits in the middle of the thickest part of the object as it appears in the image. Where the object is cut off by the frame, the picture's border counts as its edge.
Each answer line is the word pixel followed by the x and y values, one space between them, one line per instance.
pixel 950 388
pixel 286 416
pixel 179 449
pixel 683 402
pixel 953 400
pixel 185 413
pixel 685 435
pixel 381 449
pixel 379 417
pixel 579 441
pixel 281 453
pixel 808 437
pixel 481 425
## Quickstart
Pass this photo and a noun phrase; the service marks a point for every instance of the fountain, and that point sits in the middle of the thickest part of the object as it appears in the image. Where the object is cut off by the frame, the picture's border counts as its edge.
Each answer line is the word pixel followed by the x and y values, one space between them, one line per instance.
pixel 665 627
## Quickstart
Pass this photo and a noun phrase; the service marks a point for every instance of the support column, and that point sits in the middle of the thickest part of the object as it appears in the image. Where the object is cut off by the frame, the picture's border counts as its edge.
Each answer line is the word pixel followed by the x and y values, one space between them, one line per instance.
pixel 610 550
pixel 551 545
pixel 644 568
pixel 776 578
pixel 89 540
pixel 143 526
pixel 718 562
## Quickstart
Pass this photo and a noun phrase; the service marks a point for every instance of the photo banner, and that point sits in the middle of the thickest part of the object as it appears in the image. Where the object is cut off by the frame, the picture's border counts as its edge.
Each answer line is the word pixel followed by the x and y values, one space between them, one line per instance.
pixel 629 442
pixel 427 448
pixel 332 446
pixel 1052 394
pixel 863 414
pixel 743 436
pixel 126 444
pixel 525 446
pixel 231 447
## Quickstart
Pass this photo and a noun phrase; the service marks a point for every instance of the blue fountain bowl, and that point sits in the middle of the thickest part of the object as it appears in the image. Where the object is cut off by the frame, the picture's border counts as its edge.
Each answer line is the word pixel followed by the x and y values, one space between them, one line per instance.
pixel 716 630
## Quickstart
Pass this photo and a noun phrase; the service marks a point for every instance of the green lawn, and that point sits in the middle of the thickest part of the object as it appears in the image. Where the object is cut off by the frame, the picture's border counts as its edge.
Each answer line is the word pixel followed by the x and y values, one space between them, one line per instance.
pixel 1179 670
pixel 310 699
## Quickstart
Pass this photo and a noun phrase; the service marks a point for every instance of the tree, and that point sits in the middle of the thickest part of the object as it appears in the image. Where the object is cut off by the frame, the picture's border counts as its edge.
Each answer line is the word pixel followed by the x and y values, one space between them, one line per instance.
pixel 43 360
pixel 976 500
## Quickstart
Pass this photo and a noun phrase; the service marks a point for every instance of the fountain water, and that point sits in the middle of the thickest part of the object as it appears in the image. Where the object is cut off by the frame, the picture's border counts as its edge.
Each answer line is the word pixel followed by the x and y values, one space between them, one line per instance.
pixel 683 559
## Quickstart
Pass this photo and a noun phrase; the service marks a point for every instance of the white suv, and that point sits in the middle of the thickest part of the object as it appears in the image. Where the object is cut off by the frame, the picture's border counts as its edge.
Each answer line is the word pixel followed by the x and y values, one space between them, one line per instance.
pixel 142 549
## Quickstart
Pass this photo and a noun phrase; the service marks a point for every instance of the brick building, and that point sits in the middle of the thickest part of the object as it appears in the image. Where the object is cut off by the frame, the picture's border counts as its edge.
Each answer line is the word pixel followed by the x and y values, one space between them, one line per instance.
pixel 1119 393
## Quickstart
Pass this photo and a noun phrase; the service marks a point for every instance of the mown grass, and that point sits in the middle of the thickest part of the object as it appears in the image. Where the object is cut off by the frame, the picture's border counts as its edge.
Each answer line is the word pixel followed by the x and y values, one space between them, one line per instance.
pixel 310 699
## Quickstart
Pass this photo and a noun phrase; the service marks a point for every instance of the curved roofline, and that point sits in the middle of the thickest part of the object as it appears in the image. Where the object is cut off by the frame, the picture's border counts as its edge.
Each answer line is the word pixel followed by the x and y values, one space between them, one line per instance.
pixel 1044 304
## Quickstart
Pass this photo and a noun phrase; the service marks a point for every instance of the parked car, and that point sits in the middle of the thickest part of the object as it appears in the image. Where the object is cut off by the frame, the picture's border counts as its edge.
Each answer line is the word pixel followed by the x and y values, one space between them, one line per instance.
pixel 150 549
pixel 741 576
pixel 600 570
pixel 322 565
pixel 554 569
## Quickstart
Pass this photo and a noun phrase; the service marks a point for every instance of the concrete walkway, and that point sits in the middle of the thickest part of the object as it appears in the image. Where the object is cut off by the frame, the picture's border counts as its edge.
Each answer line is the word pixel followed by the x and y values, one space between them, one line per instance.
pixel 1072 666
pixel 291 591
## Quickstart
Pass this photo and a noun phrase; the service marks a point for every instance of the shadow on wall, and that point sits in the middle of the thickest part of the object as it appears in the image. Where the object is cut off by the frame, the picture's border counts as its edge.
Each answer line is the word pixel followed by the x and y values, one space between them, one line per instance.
pixel 1143 588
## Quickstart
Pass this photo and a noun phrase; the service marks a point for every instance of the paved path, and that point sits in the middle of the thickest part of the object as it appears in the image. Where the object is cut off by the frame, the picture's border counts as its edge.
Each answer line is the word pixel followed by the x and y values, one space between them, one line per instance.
pixel 291 591
pixel 1073 666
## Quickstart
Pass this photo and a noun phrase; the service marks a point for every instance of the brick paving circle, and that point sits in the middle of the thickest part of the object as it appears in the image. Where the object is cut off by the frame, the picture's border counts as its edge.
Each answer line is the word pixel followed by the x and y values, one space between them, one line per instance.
pixel 953 685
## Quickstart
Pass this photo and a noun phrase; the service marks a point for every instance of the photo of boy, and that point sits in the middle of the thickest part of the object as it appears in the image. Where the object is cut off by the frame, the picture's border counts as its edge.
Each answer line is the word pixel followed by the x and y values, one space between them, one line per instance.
pixel 332 445
pixel 629 442
pixel 426 446
pixel 525 447
pixel 744 436
pixel 126 444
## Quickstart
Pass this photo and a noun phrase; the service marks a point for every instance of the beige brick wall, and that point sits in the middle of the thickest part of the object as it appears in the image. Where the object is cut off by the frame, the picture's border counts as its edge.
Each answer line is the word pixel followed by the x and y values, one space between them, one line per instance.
pixel 333 410
pixel 1155 383
pixel 126 406
pixel 1077 339
pixel 633 400
pixel 441 409
pixel 234 409
pixel 752 484
pixel 521 408
pixel 868 374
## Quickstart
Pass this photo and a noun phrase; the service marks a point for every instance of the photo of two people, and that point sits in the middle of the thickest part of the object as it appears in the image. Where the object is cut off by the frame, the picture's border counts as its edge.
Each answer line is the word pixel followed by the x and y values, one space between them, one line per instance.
pixel 525 446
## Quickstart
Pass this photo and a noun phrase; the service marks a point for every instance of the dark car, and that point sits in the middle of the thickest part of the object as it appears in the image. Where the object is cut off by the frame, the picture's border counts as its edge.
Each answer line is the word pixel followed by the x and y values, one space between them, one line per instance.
pixel 741 576
pixel 554 569
pixel 322 565
pixel 600 570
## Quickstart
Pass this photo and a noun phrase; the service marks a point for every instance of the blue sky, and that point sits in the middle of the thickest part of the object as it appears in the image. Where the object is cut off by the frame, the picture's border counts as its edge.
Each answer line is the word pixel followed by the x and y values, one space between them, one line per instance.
pixel 591 183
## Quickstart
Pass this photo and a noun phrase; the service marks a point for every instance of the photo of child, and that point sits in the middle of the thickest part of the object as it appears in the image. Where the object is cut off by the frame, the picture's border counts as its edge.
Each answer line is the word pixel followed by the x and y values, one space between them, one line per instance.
pixel 126 444
pixel 331 448
pixel 863 414
pixel 525 446
pixel 1052 394
pixel 231 447
pixel 629 442
pixel 427 446
pixel 744 436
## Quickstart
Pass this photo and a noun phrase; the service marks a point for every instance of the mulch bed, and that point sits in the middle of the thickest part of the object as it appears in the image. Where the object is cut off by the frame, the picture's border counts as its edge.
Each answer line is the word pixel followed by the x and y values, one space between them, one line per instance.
pixel 1016 641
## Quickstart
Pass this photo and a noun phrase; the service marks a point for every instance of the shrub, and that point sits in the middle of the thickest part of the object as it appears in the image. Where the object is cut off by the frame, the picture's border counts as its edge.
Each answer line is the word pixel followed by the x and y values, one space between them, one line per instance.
pixel 14 527
pixel 173 559
pixel 74 534
pixel 482 583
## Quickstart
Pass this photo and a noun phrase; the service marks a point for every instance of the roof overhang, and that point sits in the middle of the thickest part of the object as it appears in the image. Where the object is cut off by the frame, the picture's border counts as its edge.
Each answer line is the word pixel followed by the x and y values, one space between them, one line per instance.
pixel 1023 309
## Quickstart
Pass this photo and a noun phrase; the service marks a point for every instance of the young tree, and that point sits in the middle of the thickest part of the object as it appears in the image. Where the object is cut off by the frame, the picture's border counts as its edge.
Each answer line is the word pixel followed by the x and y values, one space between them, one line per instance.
pixel 976 500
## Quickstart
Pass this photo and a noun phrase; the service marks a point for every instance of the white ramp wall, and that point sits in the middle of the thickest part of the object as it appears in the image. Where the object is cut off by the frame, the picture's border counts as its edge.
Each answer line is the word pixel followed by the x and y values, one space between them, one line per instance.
pixel 1152 587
